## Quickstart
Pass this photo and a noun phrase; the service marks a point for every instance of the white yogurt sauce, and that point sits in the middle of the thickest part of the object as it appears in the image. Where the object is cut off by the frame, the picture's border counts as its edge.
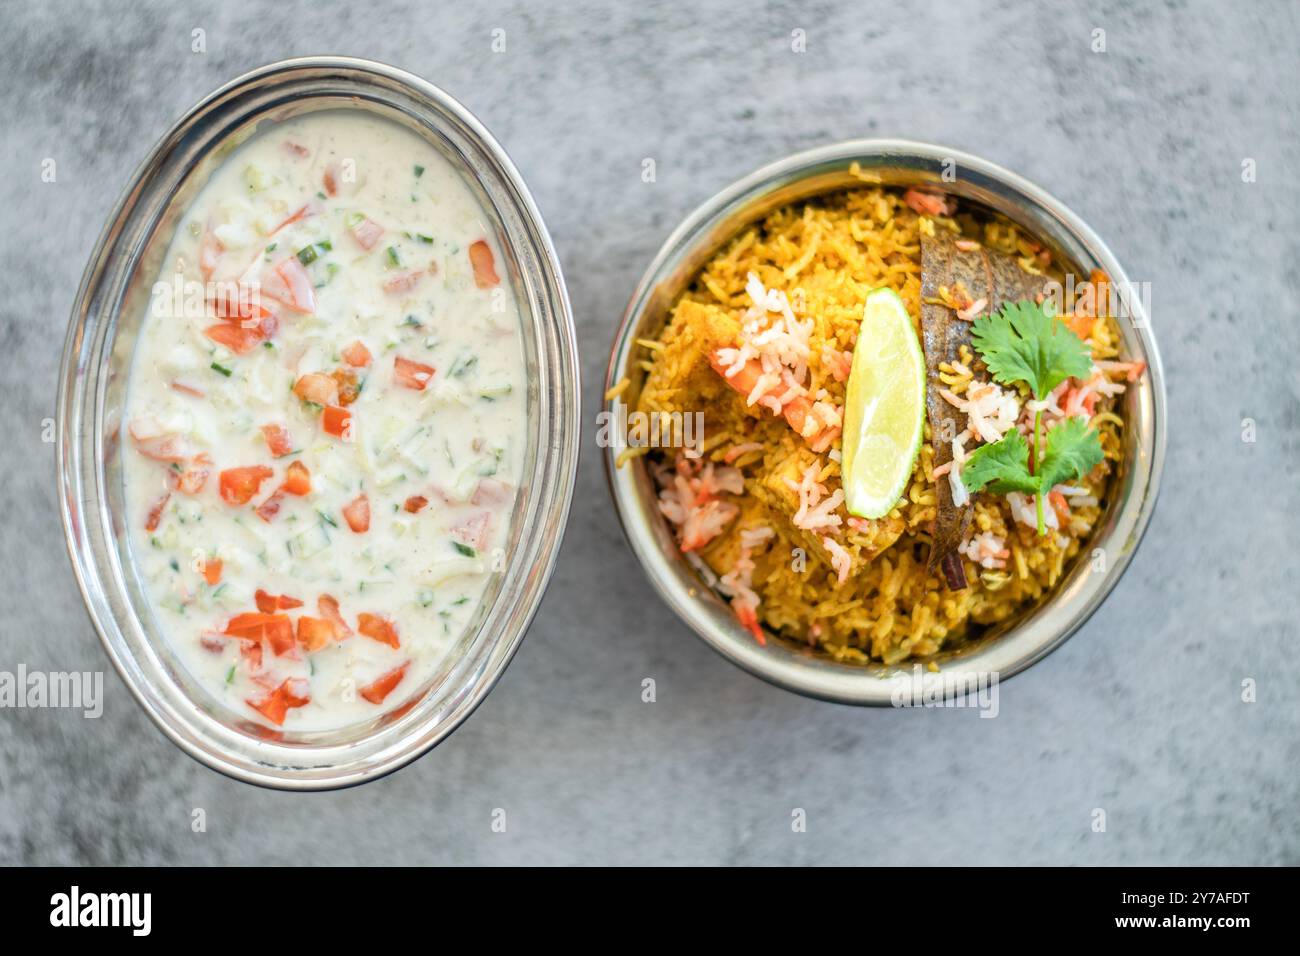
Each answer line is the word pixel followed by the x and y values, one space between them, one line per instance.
pixel 332 252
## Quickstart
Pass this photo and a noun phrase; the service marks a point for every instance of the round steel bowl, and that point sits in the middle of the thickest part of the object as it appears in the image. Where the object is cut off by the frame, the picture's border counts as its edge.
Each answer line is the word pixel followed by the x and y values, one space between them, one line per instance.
pixel 1004 651
pixel 96 362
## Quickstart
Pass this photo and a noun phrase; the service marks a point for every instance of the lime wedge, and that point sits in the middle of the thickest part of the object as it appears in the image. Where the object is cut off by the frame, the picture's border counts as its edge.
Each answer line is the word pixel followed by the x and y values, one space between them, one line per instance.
pixel 884 410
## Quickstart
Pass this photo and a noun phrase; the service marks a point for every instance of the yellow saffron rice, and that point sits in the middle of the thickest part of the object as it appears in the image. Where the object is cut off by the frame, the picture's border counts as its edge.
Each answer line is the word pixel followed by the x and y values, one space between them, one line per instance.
pixel 826 255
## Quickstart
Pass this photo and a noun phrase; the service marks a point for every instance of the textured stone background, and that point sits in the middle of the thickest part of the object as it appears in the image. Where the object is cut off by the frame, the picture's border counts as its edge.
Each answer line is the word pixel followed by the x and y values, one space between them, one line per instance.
pixel 1140 714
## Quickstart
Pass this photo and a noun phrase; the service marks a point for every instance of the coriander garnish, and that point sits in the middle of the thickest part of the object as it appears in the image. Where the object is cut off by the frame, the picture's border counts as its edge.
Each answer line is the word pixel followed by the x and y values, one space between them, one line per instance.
pixel 1024 343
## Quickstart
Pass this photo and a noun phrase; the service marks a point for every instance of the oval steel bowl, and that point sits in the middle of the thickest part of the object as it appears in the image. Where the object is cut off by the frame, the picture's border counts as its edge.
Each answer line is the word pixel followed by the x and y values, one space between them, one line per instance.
pixel 96 362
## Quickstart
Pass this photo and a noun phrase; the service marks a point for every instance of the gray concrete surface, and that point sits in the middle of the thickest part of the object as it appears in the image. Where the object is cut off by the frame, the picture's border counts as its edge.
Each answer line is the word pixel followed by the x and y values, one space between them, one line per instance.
pixel 1140 714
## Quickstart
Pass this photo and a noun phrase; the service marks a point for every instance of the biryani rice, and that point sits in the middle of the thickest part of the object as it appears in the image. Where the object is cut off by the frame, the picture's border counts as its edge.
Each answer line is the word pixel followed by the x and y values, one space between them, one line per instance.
pixel 826 255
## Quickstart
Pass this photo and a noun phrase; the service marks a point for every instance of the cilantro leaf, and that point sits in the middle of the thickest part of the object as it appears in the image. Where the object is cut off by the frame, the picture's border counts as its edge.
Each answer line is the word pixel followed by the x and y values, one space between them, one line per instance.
pixel 1023 342
pixel 1073 450
pixel 1001 465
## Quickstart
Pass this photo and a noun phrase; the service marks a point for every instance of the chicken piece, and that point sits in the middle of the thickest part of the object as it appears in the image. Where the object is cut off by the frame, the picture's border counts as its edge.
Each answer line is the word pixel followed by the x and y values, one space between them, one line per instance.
pixel 696 331
pixel 863 542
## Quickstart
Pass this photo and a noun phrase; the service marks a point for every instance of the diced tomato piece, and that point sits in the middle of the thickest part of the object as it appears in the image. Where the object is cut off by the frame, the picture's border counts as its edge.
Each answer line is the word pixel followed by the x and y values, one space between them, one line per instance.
pixel 277 440
pixel 314 632
pixel 415 504
pixel 275 705
pixel 410 374
pixel 279 634
pixel 382 686
pixel 490 491
pixel 248 625
pixel 1060 506
pixel 268 326
pixel 337 421
pixel 328 607
pixel 234 337
pixel 357 355
pixel 180 385
pixel 272 707
pixel 254 626
pixel 317 388
pixel 403 281
pixel 357 514
pixel 212 571
pixel 154 517
pixel 367 232
pixel 289 283
pixel 474 530
pixel 297 691
pixel 239 302
pixel 480 257
pixel 349 390
pixel 251 652
pixel 307 210
pixel 270 603
pixel 378 628
pixel 303 292
pixel 238 485
pixel 210 250
pixel 152 442
pixel 191 479
pixel 298 480
pixel 270 507
pixel 168 448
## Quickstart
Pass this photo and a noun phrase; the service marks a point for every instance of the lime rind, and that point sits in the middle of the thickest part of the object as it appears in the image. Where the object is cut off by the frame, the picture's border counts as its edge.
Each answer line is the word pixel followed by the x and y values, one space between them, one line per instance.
pixel 884 408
